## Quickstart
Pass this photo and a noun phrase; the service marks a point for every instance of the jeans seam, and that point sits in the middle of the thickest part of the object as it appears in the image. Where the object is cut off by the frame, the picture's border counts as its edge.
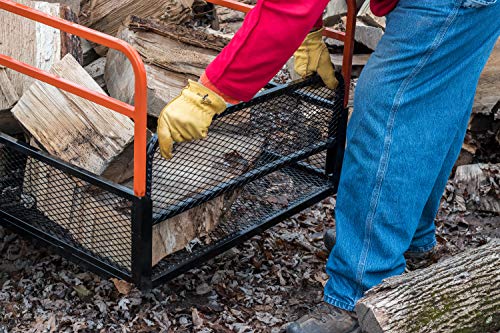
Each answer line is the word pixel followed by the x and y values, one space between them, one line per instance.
pixel 384 159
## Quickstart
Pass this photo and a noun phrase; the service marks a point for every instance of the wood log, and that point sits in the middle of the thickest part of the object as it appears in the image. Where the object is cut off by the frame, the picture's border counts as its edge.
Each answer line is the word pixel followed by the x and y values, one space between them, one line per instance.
pixel 172 54
pixel 459 294
pixel 34 43
pixel 8 97
pixel 96 71
pixel 76 130
pixel 108 15
pixel 487 99
pixel 365 14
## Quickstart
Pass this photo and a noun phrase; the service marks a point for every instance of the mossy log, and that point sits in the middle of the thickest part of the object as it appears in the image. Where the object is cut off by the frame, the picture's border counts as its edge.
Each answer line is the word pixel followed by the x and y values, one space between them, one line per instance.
pixel 459 294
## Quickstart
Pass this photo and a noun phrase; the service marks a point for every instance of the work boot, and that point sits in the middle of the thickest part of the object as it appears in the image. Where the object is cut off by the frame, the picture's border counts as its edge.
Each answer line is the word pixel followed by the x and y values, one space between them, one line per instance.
pixel 418 260
pixel 329 239
pixel 326 318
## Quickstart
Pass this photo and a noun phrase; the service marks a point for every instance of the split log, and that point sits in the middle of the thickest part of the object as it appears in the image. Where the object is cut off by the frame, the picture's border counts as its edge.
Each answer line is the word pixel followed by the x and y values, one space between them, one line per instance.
pixel 34 43
pixel 487 99
pixel 366 15
pixel 96 71
pixel 108 15
pixel 172 54
pixel 459 294
pixel 74 129
pixel 8 97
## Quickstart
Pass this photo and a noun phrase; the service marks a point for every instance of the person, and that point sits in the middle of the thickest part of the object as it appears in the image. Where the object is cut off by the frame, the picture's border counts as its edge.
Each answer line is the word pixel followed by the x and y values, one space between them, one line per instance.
pixel 411 109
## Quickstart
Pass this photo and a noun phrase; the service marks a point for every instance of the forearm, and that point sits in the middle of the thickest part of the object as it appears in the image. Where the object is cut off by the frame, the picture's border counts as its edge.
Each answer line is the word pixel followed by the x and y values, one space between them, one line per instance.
pixel 270 34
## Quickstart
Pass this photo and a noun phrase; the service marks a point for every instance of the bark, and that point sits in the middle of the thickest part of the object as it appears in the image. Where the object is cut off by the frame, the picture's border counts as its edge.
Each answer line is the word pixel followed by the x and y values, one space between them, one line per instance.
pixel 459 294
pixel 172 54
pixel 108 15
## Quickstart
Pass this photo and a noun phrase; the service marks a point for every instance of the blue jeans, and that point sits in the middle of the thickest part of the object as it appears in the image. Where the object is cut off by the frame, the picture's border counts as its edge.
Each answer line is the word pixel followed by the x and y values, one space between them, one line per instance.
pixel 413 101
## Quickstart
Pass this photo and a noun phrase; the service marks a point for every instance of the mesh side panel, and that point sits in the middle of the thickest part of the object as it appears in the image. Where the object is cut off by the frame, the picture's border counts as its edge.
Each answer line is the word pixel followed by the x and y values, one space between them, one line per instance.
pixel 65 207
pixel 256 202
pixel 249 141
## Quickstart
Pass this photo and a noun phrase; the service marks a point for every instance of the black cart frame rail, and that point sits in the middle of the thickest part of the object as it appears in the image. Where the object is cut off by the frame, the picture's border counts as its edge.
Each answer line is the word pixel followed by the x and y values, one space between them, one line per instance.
pixel 280 153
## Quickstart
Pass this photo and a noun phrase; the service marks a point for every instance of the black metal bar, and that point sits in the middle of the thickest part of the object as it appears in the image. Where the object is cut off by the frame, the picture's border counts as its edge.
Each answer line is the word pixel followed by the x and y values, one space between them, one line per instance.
pixel 335 153
pixel 57 163
pixel 65 250
pixel 253 174
pixel 301 165
pixel 243 235
pixel 142 247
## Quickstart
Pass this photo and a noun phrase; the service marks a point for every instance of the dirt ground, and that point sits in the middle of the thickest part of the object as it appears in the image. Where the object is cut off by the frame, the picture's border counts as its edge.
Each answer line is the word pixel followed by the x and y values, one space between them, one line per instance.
pixel 257 287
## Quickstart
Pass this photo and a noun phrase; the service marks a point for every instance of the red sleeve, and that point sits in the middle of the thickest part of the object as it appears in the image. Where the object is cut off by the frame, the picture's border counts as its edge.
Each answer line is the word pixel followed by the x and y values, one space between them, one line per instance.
pixel 382 7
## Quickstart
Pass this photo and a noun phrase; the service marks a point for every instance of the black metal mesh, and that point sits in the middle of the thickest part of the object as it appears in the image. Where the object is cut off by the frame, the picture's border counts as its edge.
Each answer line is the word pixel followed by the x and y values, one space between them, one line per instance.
pixel 261 157
pixel 71 210
pixel 256 202
pixel 248 141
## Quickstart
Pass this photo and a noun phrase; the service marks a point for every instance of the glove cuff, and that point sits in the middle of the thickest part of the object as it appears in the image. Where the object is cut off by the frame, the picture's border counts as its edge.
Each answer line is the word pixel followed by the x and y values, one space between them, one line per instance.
pixel 207 83
pixel 205 98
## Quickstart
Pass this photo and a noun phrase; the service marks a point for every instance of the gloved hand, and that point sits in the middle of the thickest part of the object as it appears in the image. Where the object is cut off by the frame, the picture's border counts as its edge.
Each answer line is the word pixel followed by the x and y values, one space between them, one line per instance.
pixel 313 57
pixel 188 116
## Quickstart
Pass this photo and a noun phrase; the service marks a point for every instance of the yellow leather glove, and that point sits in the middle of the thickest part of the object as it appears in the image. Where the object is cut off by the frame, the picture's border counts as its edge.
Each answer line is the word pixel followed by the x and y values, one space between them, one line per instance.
pixel 188 116
pixel 313 57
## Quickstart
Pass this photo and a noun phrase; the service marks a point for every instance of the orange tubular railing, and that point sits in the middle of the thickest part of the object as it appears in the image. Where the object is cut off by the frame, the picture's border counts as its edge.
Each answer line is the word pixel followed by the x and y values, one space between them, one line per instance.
pixel 346 37
pixel 138 112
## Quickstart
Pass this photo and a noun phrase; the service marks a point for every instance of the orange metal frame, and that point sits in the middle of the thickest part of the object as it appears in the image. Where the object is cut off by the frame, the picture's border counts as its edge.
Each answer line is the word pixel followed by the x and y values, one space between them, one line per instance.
pixel 138 112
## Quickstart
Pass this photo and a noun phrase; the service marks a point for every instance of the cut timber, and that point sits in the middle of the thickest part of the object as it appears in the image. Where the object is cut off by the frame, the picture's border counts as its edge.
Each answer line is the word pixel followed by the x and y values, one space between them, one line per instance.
pixel 34 43
pixel 8 97
pixel 75 129
pixel 108 15
pixel 459 294
pixel 366 15
pixel 487 98
pixel 172 54
pixel 197 167
pixel 478 183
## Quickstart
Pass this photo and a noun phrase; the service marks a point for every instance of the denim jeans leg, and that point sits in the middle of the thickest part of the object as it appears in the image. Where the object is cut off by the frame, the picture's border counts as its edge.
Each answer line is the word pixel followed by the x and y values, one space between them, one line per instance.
pixel 410 105
pixel 424 238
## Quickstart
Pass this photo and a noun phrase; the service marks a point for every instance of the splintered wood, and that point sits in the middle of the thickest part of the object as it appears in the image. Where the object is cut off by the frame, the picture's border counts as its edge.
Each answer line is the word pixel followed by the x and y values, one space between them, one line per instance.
pixel 172 54
pixel 107 15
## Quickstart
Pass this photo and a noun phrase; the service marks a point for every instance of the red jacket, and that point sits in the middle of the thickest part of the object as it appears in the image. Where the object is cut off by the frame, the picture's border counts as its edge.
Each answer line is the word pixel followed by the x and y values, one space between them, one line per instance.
pixel 382 7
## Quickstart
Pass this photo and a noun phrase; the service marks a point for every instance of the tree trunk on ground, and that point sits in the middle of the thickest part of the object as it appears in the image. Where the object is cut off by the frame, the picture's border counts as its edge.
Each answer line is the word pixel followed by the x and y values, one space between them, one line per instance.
pixel 459 294
pixel 172 54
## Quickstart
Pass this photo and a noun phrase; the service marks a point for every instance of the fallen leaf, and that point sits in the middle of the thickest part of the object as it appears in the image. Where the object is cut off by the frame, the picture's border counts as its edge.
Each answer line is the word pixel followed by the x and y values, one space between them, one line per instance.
pixel 122 286
pixel 197 321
